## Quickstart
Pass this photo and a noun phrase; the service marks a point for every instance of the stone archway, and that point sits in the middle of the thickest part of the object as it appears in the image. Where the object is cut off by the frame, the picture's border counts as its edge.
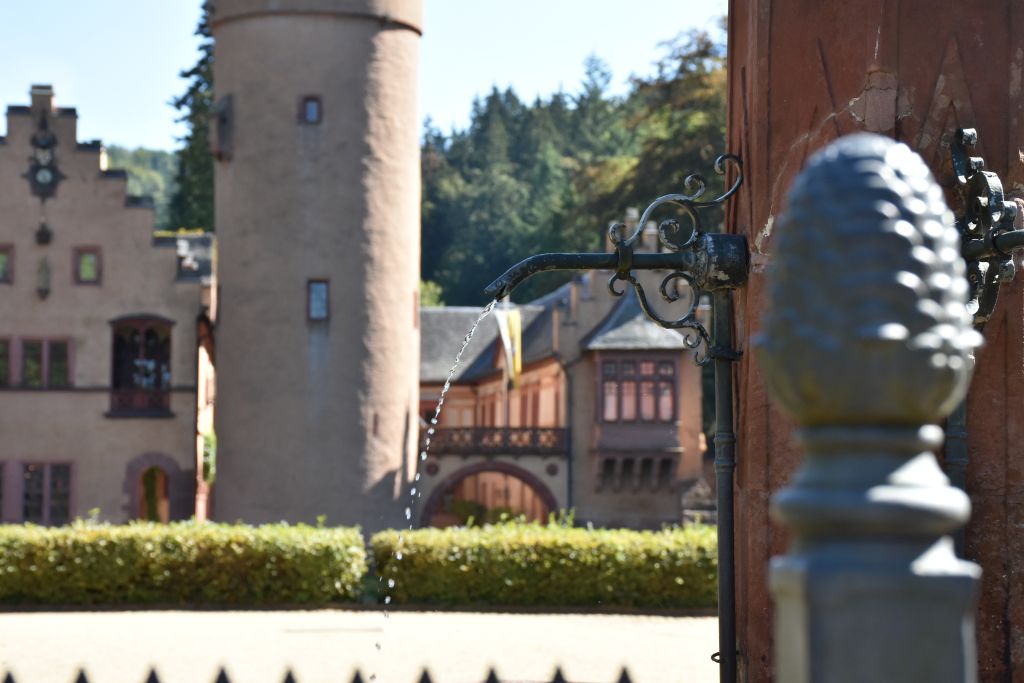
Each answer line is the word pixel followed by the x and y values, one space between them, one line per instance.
pixel 500 487
pixel 180 485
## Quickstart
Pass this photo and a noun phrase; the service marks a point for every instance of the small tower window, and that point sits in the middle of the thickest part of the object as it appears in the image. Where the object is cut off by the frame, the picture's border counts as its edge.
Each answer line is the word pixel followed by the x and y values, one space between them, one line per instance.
pixel 310 110
pixel 6 263
pixel 87 265
pixel 317 300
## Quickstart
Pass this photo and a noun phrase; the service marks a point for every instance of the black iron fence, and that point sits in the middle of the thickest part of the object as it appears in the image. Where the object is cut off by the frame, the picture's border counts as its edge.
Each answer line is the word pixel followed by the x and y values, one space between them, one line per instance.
pixel 499 441
pixel 222 677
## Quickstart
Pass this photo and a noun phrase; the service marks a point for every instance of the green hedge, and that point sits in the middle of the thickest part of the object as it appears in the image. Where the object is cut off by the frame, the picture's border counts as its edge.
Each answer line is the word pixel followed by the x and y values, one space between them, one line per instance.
pixel 180 563
pixel 532 564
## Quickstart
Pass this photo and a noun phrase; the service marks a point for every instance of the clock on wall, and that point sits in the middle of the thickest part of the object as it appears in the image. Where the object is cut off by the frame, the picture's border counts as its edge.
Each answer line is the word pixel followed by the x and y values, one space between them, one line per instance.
pixel 43 174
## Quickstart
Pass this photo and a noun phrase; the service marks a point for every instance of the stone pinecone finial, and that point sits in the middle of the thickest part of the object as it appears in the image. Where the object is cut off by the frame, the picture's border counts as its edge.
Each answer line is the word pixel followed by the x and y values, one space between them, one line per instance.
pixel 868 323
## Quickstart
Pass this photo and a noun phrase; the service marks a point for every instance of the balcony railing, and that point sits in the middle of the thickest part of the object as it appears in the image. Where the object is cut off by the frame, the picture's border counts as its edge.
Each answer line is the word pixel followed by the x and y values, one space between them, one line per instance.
pixel 140 401
pixel 499 441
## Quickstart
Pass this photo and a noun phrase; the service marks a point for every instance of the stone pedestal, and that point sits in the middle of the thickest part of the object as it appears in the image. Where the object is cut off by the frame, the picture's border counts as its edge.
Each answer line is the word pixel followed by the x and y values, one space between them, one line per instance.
pixel 866 344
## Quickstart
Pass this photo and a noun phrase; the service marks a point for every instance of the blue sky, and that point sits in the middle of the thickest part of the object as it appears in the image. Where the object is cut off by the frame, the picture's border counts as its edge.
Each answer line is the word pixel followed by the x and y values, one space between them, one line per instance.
pixel 117 61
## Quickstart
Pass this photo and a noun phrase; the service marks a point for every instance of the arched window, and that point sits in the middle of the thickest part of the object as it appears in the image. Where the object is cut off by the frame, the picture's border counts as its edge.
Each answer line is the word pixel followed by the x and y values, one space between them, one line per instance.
pixel 154 496
pixel 141 368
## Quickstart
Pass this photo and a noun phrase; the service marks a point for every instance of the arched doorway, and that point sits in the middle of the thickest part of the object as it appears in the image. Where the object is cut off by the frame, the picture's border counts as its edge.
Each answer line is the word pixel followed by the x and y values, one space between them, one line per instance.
pixel 154 496
pixel 484 493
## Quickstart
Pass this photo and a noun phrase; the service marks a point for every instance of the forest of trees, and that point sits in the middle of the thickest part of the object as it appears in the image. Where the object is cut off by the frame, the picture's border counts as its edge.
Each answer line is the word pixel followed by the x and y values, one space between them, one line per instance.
pixel 523 177
pixel 150 172
pixel 550 175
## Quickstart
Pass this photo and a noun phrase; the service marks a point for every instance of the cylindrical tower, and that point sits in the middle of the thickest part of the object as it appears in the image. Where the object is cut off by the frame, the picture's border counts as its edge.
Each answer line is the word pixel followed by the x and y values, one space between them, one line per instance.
pixel 317 214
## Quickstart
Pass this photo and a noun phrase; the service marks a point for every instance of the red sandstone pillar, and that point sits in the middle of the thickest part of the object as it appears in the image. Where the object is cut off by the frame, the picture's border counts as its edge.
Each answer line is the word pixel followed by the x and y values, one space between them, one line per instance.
pixel 800 75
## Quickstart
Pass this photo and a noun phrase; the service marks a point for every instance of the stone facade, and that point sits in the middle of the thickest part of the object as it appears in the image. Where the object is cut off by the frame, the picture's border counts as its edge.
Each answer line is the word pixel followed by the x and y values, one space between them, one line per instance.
pixel 605 419
pixel 98 367
pixel 317 195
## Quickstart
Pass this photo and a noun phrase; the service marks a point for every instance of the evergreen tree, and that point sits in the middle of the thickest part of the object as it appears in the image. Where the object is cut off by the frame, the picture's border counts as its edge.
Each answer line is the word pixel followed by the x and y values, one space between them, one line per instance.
pixel 551 175
pixel 191 205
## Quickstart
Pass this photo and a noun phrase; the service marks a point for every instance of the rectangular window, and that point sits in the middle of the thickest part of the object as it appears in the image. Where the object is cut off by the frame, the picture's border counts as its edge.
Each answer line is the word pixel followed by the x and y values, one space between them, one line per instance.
pixel 5 363
pixel 647 401
pixel 664 472
pixel 317 300
pixel 607 472
pixel 33 494
pixel 6 264
pixel 646 472
pixel 46 494
pixel 666 406
pixel 610 412
pixel 141 372
pixel 57 375
pixel 310 110
pixel 87 265
pixel 45 363
pixel 629 401
pixel 32 364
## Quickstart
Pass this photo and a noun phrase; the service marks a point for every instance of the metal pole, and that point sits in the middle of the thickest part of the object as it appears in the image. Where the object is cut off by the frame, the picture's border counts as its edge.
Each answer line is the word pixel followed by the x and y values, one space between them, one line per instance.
pixel 957 457
pixel 725 465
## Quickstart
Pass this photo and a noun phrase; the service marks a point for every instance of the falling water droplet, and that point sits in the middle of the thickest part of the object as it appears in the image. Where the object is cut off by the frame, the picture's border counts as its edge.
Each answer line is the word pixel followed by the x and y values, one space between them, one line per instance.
pixel 387 600
pixel 408 513
pixel 391 583
pixel 413 492
pixel 398 555
pixel 417 477
pixel 423 456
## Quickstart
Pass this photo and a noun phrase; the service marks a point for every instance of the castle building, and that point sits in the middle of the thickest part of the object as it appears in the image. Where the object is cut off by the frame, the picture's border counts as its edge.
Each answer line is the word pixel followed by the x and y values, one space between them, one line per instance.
pixel 604 418
pixel 99 335
pixel 317 195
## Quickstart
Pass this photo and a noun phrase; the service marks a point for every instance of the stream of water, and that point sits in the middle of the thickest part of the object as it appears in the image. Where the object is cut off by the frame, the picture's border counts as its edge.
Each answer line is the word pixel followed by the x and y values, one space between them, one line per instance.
pixel 415 492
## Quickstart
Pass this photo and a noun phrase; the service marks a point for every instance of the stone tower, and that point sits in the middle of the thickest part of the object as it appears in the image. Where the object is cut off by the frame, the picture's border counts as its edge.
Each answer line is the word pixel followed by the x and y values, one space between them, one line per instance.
pixel 317 211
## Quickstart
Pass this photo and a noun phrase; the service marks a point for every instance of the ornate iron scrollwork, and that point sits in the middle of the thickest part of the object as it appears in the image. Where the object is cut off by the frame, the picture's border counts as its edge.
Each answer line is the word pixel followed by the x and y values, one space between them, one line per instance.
pixel 985 217
pixel 695 336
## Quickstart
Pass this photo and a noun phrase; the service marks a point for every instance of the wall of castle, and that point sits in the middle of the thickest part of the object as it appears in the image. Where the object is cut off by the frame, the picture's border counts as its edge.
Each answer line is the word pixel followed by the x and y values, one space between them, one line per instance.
pixel 317 186
pixel 71 424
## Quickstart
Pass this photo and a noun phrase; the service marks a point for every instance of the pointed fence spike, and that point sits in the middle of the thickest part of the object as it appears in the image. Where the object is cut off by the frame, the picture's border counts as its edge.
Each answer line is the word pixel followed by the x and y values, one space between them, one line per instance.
pixel 558 676
pixel 624 676
pixel 425 678
pixel 357 678
pixel 9 678
pixel 492 677
pixel 222 677
pixel 288 677
pixel 81 678
pixel 152 677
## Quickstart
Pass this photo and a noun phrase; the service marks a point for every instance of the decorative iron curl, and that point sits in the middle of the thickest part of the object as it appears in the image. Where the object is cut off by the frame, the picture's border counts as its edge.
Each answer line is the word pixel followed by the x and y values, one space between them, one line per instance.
pixel 695 336
pixel 695 184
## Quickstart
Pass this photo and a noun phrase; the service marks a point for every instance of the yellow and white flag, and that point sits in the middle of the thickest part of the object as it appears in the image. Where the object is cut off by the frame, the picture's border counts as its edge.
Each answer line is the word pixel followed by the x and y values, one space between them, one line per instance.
pixel 510 326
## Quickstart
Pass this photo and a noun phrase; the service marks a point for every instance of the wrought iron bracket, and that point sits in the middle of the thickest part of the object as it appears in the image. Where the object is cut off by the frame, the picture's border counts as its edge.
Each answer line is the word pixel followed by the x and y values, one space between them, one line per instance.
pixel 985 222
pixel 704 261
